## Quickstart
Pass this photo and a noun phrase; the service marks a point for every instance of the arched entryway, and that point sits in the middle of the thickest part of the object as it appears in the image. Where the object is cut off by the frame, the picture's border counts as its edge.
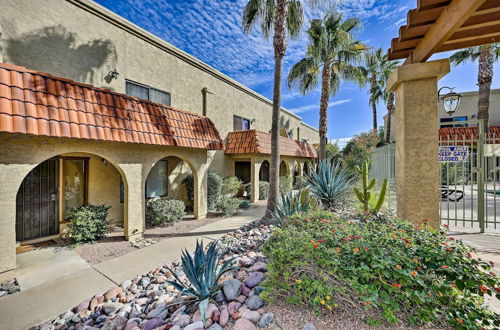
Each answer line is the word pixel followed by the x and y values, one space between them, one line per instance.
pixel 173 178
pixel 307 169
pixel 264 171
pixel 283 169
pixel 53 188
pixel 296 172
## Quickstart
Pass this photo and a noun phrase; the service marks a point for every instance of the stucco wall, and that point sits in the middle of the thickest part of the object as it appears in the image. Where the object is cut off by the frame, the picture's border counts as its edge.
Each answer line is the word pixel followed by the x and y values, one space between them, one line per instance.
pixel 103 185
pixel 468 107
pixel 83 41
pixel 19 154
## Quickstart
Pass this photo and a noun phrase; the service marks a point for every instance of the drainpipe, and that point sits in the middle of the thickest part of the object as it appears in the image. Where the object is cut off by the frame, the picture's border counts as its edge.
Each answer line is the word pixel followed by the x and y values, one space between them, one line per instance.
pixel 204 92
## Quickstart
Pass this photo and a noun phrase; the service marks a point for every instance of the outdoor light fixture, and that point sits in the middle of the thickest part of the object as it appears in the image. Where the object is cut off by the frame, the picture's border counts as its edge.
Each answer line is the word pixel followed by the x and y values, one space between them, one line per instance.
pixel 451 100
pixel 114 74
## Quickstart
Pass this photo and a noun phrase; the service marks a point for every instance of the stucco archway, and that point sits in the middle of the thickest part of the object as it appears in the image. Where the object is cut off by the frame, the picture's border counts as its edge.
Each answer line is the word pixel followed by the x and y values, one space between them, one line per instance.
pixel 184 165
pixel 264 171
pixel 50 190
pixel 284 169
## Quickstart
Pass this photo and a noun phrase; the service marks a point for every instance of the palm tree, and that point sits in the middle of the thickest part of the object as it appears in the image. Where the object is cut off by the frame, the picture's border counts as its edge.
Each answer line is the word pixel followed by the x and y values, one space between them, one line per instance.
pixel 280 17
pixel 376 71
pixel 487 55
pixel 332 53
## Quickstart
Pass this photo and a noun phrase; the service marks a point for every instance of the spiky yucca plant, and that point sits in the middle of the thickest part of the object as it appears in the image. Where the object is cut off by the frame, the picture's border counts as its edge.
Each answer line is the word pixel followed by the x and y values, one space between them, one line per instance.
pixel 203 273
pixel 292 203
pixel 329 183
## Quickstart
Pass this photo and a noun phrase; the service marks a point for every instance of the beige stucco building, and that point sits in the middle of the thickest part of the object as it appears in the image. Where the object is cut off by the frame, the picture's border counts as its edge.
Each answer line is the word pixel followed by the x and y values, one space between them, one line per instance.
pixel 90 114
pixel 467 110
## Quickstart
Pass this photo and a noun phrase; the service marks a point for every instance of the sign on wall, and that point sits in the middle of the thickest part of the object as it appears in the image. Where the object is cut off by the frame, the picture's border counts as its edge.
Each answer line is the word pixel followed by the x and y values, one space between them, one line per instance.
pixel 448 154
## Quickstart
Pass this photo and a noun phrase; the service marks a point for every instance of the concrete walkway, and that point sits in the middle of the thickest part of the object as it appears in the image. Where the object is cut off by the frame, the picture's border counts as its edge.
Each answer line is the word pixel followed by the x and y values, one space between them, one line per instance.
pixel 57 281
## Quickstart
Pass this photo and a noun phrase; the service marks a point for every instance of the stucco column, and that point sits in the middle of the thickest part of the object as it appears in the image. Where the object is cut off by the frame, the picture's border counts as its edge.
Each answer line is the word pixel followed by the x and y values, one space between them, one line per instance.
pixel 254 182
pixel 417 138
pixel 9 184
pixel 200 189
pixel 134 206
pixel 301 169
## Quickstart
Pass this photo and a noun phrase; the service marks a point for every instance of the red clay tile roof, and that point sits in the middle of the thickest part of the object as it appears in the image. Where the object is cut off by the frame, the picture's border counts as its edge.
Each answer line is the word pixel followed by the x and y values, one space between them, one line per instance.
pixel 41 104
pixel 466 133
pixel 257 142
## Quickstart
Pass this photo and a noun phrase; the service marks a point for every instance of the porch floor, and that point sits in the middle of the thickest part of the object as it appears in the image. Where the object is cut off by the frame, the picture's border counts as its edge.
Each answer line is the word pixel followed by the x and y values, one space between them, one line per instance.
pixel 59 279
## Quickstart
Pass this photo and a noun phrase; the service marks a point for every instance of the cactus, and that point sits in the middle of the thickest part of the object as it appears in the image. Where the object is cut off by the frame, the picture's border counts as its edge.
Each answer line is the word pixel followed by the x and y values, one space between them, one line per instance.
pixel 365 194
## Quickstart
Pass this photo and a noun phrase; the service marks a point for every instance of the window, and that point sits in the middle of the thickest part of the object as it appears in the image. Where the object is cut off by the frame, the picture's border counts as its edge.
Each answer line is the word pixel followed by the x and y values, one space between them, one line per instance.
pixel 453 122
pixel 147 93
pixel 240 123
pixel 157 181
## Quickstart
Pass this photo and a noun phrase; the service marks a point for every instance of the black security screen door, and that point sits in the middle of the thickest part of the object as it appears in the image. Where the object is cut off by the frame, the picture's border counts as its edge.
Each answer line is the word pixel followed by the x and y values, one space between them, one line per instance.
pixel 36 203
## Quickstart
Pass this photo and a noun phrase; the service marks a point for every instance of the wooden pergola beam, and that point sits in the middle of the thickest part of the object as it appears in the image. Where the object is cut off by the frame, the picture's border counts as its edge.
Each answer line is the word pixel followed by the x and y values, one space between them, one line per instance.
pixel 450 20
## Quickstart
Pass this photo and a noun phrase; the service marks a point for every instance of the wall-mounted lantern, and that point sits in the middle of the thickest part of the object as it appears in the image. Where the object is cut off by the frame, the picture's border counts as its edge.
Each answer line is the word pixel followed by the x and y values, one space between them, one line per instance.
pixel 114 74
pixel 451 100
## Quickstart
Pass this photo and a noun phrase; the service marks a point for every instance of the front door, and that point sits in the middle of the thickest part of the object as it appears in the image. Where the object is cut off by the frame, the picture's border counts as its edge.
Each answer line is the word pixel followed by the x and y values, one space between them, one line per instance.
pixel 37 203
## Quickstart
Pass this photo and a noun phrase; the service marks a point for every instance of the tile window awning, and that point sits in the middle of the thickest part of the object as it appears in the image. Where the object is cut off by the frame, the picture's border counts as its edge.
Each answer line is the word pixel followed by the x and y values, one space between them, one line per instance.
pixel 257 142
pixel 466 133
pixel 445 25
pixel 38 103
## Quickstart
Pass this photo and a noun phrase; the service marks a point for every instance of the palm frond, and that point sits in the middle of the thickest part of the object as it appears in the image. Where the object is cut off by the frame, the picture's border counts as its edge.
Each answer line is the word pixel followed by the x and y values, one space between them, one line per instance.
pixel 304 74
pixel 295 18
pixel 465 55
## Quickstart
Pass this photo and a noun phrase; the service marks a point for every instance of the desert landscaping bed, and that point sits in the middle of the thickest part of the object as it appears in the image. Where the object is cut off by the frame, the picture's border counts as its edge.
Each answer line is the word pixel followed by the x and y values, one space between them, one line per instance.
pixel 140 303
pixel 114 245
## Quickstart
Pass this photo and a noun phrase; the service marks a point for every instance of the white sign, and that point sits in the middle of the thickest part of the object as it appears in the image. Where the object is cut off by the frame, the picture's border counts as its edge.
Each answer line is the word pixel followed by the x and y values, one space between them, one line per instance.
pixel 448 154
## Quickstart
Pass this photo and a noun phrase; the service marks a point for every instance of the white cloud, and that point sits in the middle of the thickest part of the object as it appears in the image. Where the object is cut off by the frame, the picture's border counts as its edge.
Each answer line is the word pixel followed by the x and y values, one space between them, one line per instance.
pixel 311 107
pixel 212 32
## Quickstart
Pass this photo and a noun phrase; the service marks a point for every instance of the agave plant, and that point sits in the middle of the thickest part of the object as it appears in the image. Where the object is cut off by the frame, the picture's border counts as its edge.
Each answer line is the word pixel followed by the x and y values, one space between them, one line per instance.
pixel 203 273
pixel 292 203
pixel 329 183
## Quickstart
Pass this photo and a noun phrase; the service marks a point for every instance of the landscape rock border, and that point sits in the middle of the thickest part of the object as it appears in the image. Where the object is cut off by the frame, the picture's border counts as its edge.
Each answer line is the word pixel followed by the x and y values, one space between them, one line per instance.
pixel 149 302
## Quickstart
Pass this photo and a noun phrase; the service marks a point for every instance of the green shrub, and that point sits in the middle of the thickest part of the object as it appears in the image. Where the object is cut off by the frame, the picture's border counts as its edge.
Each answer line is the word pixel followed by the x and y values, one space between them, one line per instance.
pixel 89 223
pixel 189 182
pixel 214 189
pixel 397 270
pixel 285 185
pixel 300 182
pixel 231 186
pixel 164 211
pixel 263 190
pixel 330 183
pixel 228 205
pixel 244 204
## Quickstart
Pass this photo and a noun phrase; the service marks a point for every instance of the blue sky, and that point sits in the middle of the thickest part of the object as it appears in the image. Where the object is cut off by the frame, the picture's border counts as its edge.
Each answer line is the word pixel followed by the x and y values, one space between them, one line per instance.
pixel 211 31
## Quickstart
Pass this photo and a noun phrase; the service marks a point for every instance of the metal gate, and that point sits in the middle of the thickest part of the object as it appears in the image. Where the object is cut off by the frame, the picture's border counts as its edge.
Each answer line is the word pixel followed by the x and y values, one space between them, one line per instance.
pixel 36 203
pixel 469 178
pixel 383 166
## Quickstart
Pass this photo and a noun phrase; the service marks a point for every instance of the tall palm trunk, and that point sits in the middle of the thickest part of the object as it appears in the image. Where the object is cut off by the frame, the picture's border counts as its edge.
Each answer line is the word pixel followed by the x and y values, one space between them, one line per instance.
pixel 323 109
pixel 279 43
pixel 373 81
pixel 484 79
pixel 390 111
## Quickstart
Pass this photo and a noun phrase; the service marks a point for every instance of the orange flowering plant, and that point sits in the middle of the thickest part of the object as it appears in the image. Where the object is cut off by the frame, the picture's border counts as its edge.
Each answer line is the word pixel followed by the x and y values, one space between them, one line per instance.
pixel 398 270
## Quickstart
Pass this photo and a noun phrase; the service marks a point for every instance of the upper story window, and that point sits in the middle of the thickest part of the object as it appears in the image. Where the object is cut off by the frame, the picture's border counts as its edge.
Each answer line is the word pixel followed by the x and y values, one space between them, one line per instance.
pixel 147 93
pixel 240 123
pixel 453 122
